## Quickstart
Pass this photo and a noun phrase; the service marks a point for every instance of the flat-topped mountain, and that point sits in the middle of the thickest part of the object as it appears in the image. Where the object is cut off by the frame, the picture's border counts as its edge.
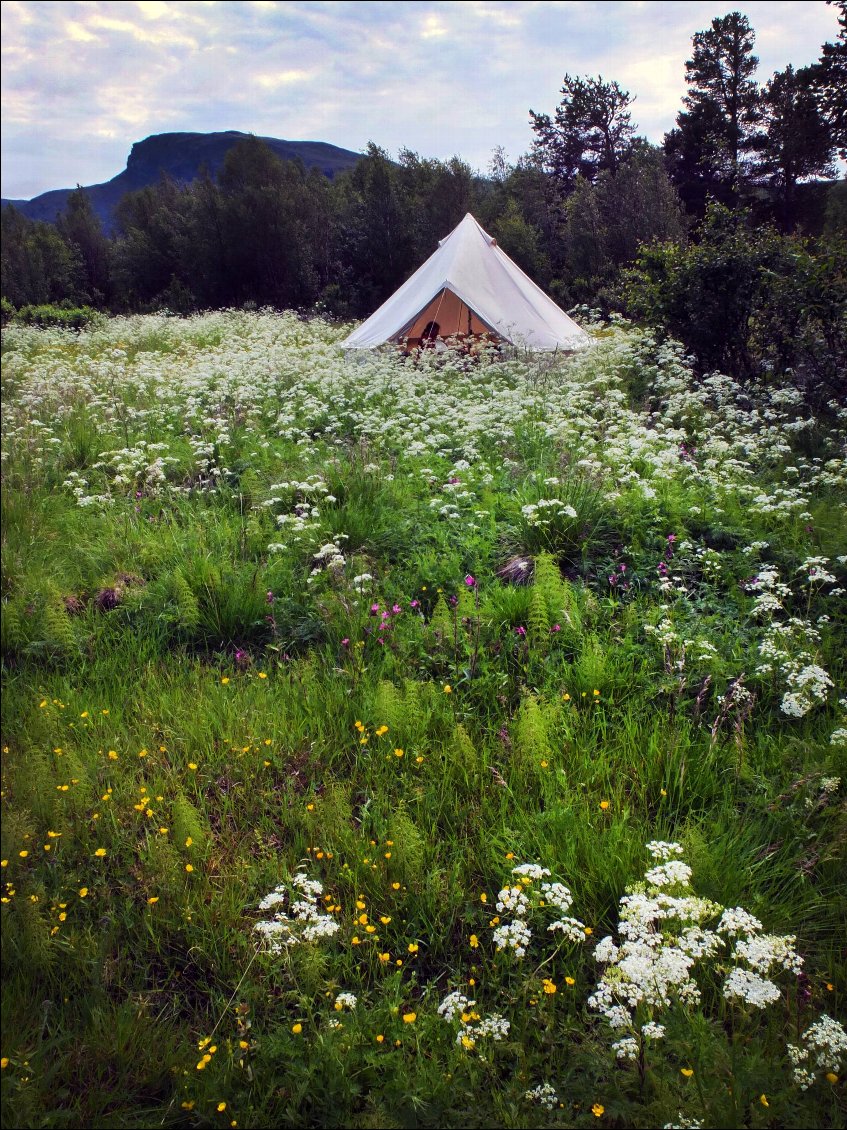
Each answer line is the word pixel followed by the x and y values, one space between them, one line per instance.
pixel 181 156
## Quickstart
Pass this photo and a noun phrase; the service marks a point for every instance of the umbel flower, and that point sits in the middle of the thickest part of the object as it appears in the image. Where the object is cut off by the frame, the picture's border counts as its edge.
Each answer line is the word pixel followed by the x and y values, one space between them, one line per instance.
pixel 303 922
pixel 665 933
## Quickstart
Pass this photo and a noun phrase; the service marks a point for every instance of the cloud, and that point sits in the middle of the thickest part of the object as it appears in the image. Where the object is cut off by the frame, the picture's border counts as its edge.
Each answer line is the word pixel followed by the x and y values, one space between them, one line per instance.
pixel 84 79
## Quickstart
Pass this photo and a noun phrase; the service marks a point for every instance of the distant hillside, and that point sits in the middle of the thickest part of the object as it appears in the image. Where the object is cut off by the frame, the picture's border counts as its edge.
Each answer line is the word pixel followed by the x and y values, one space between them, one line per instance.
pixel 181 156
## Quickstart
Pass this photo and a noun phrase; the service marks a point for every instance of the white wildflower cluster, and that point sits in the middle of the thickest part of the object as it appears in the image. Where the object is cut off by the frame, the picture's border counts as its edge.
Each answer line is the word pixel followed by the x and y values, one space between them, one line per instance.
pixel 454 1004
pixel 664 633
pixel 663 849
pixel 532 893
pixel 546 511
pixel 345 1000
pixel 665 934
pixel 329 558
pixel 304 921
pixel 823 1048
pixel 473 1025
pixel 531 870
pixel 684 1123
pixel 626 1049
pixel 672 873
pixel 786 648
pixel 543 1095
pixel 515 936
pixel 815 569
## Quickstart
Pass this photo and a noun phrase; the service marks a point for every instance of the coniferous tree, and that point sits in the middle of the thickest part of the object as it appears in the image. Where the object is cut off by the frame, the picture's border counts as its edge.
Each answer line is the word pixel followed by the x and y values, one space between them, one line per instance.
pixel 797 141
pixel 716 132
pixel 80 227
pixel 830 79
pixel 591 130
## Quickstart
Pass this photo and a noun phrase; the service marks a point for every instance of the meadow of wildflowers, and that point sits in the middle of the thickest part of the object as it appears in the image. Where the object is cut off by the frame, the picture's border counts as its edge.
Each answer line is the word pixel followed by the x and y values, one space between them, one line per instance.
pixel 416 742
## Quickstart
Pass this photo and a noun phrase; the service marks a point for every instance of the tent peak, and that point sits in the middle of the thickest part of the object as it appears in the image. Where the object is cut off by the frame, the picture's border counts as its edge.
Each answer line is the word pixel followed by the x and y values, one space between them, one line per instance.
pixel 469 226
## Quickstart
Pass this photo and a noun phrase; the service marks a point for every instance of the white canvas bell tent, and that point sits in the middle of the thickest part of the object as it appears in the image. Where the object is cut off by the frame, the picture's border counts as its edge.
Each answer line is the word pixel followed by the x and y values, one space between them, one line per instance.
pixel 469 286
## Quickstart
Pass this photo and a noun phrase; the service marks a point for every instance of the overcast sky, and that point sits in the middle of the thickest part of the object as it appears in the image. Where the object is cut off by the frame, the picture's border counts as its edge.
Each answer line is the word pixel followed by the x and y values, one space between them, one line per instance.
pixel 83 80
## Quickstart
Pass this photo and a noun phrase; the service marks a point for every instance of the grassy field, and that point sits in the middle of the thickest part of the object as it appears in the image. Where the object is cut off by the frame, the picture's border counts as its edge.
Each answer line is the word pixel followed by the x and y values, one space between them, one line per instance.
pixel 415 743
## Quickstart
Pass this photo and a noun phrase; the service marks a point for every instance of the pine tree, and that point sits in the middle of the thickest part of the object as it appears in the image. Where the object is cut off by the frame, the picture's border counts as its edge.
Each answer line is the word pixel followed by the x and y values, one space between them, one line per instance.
pixel 797 142
pixel 591 130
pixel 717 131
pixel 830 80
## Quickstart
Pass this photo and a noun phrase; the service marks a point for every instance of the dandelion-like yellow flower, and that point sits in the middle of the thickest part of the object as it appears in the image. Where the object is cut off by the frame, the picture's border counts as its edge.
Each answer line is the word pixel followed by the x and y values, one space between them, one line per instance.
pixel 224 680
pixel 398 753
pixel 409 1017
pixel 380 1038
pixel 296 1029
pixel 152 900
pixel 549 986
pixel 570 982
pixel 395 886
pixel 686 1071
pixel 831 1077
pixel 598 1110
pixel 474 942
pixel 262 675
pixel 604 804
pixel 83 892
pixel 412 947
pixel 189 867
pixel 448 689
pixel 763 1099
pixel 23 854
pixel 100 853
pixel 385 957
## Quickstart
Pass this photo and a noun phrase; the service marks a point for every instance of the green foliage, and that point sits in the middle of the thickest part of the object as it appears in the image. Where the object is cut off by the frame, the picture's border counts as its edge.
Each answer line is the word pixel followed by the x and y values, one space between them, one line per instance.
pixel 187 608
pixel 188 824
pixel 530 740
pixel 59 636
pixel 590 131
pixel 216 690
pixel 746 301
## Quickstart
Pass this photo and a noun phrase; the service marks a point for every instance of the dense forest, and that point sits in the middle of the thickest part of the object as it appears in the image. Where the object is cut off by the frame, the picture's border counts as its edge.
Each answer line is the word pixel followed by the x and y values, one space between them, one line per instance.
pixel 731 235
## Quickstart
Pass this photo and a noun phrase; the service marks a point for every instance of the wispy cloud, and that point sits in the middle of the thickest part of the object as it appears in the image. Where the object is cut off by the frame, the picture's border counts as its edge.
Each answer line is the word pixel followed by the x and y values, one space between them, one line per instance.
pixel 84 79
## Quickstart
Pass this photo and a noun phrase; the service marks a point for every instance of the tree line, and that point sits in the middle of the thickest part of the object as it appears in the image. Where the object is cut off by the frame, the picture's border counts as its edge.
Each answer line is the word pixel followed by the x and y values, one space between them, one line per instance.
pixel 594 213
